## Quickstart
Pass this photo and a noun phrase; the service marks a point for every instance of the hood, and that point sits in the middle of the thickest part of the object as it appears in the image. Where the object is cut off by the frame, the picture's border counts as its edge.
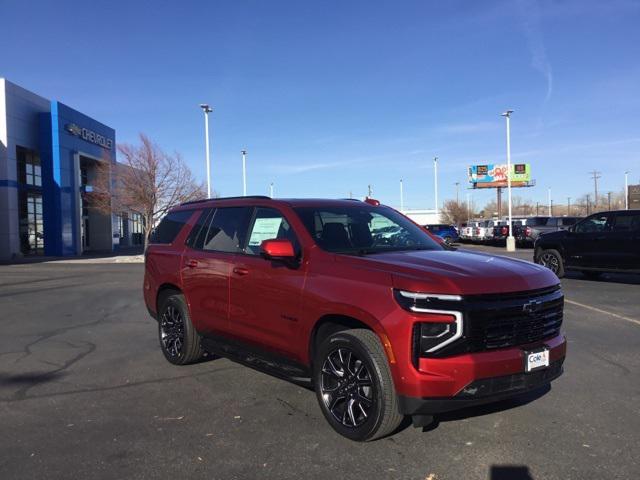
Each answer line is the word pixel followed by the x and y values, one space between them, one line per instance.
pixel 456 272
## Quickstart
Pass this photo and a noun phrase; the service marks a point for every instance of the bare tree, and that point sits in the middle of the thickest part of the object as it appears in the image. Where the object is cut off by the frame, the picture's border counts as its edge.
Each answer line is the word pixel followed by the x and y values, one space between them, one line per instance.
pixel 146 180
pixel 455 212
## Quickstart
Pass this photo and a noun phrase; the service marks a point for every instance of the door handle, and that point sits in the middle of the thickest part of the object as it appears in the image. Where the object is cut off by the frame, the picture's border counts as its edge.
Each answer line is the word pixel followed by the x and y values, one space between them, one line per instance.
pixel 240 271
pixel 191 263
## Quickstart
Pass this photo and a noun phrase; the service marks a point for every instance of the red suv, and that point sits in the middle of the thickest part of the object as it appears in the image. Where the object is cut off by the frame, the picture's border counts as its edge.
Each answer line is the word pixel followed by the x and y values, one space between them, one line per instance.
pixel 356 299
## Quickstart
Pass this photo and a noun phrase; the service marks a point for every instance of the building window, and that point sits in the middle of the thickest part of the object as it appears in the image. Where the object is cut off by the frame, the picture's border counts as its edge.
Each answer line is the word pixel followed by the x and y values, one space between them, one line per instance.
pixel 31 224
pixel 137 228
pixel 29 167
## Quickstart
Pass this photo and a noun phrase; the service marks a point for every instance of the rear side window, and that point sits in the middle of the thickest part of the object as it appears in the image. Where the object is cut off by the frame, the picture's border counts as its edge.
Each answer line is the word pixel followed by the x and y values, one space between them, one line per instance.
pixel 567 221
pixel 221 229
pixel 170 227
pixel 627 222
pixel 536 221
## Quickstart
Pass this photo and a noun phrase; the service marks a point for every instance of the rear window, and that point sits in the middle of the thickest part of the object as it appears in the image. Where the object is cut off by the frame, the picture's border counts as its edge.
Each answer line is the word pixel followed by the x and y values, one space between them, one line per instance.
pixel 170 227
pixel 220 230
pixel 536 221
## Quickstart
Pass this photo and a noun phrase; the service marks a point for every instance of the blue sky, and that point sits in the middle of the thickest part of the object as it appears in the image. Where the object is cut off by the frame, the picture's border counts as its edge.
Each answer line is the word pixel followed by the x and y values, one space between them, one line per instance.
pixel 328 97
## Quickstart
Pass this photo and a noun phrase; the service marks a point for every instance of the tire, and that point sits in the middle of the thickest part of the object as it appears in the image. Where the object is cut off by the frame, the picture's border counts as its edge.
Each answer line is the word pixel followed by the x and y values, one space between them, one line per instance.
pixel 551 259
pixel 368 389
pixel 179 341
pixel 592 274
pixel 447 240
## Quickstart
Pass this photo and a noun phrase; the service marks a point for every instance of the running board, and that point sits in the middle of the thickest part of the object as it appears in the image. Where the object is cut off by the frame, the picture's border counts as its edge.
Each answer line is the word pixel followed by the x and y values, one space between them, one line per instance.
pixel 258 359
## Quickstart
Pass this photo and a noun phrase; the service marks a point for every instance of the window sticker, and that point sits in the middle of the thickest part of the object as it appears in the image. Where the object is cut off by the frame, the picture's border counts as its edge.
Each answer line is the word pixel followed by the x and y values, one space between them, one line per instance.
pixel 264 229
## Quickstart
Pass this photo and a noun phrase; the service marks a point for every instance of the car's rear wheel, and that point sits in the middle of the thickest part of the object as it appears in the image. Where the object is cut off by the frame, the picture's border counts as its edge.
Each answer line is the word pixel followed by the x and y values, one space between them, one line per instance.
pixel 448 240
pixel 552 260
pixel 179 341
pixel 354 387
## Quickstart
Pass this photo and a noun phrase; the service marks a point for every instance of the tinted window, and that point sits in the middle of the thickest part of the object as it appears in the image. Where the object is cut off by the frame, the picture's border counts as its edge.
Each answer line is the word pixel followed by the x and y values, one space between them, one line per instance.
pixel 196 236
pixel 536 221
pixel 595 223
pixel 269 224
pixel 170 226
pixel 627 222
pixel 363 230
pixel 567 221
pixel 226 229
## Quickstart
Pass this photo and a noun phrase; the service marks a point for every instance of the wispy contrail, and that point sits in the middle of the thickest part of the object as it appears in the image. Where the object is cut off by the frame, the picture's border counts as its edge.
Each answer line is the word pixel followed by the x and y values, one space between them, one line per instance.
pixel 530 17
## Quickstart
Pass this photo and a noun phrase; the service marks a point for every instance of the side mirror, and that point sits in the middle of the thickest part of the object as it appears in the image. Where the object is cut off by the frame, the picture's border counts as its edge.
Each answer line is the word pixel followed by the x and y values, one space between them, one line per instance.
pixel 277 250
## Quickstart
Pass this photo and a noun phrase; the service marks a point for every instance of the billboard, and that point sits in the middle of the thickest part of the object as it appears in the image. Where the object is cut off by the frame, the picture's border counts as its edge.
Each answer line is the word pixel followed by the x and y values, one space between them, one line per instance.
pixel 495 175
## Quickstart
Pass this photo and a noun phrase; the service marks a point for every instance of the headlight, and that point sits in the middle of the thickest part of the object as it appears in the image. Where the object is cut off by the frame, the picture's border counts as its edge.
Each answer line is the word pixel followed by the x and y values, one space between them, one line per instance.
pixel 428 337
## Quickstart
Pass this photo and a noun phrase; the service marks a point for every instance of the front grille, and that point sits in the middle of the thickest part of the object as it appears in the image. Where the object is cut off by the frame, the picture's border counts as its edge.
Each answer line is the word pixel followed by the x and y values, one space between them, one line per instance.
pixel 501 320
pixel 513 319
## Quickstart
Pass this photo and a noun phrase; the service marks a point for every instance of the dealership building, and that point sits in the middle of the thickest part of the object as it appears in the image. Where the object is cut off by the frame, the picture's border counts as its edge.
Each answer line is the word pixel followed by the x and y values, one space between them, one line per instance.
pixel 49 157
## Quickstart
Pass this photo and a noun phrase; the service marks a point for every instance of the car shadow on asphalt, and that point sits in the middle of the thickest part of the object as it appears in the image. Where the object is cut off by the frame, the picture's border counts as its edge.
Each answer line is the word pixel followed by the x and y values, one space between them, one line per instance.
pixel 623 278
pixel 510 472
pixel 487 409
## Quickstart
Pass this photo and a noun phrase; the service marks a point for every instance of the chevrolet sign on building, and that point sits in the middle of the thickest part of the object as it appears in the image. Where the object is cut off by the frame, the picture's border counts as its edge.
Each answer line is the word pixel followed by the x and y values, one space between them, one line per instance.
pixel 89 135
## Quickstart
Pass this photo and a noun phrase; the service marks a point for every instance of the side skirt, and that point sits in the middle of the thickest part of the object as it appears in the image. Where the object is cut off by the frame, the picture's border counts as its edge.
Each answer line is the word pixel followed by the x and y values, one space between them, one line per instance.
pixel 258 359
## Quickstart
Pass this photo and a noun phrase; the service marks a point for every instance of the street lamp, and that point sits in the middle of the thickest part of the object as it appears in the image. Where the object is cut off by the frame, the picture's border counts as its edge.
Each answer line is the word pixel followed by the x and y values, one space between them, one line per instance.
pixel 549 201
pixel 511 241
pixel 271 189
pixel 244 173
pixel 207 110
pixel 435 174
pixel 626 190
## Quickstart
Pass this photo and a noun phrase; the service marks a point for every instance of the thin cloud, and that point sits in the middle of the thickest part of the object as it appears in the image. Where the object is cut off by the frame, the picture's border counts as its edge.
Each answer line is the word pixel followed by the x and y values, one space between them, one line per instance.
pixel 530 17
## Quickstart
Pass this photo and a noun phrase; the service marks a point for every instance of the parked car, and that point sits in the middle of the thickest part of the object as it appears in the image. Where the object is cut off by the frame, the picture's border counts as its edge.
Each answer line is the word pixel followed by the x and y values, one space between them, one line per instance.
pixel 544 225
pixel 466 233
pixel 602 242
pixel 501 232
pixel 380 326
pixel 484 231
pixel 448 233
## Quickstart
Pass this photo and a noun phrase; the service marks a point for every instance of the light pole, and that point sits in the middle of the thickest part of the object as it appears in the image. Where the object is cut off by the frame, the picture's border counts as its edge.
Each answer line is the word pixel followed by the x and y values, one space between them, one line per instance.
pixel 568 206
pixel 401 197
pixel 435 174
pixel 207 110
pixel 271 189
pixel 609 200
pixel 626 190
pixel 244 173
pixel 468 207
pixel 511 241
pixel 549 200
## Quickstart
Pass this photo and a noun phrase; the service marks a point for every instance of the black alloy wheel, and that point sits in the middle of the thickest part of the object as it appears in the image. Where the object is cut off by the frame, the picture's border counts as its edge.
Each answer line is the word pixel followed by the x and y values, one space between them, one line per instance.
pixel 172 331
pixel 179 341
pixel 552 260
pixel 346 388
pixel 354 387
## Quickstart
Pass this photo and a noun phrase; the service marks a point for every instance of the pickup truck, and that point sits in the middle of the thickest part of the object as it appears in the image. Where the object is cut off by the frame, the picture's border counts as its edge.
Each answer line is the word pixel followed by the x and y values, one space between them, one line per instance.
pixel 541 225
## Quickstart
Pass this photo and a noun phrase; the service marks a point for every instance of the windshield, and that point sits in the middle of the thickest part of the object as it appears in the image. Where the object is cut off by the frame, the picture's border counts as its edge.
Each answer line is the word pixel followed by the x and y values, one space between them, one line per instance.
pixel 362 229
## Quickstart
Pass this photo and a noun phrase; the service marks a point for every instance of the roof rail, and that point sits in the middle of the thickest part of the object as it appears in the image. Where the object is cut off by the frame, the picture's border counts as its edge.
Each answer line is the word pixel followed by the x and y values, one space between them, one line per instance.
pixel 352 199
pixel 256 197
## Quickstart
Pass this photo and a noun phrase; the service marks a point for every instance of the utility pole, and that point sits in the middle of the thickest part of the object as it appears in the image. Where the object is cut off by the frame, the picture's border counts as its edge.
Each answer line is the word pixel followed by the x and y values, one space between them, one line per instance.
pixel 244 173
pixel 568 205
pixel 596 175
pixel 537 209
pixel 369 190
pixel 609 199
pixel 457 196
pixel 551 208
pixel 588 204
pixel 549 201
pixel 401 197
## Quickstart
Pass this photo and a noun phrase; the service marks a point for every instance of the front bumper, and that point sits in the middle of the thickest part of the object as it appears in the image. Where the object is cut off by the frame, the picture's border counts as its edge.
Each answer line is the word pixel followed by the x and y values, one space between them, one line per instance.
pixel 482 391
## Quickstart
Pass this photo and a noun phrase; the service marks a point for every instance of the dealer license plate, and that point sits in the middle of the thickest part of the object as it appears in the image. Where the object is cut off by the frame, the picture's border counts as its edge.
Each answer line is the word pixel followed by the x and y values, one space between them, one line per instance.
pixel 536 359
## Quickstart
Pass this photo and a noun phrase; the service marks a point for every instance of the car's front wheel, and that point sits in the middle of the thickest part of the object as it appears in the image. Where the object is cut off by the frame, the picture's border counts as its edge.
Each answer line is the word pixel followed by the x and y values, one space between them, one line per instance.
pixel 552 260
pixel 354 387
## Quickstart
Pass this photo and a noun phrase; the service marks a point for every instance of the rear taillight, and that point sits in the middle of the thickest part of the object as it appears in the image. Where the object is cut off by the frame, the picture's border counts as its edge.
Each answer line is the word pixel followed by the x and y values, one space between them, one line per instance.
pixel 527 231
pixel 505 230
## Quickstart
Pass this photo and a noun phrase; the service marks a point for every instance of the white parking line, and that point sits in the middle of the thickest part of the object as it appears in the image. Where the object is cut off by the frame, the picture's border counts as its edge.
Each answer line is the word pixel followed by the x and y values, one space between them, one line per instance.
pixel 589 307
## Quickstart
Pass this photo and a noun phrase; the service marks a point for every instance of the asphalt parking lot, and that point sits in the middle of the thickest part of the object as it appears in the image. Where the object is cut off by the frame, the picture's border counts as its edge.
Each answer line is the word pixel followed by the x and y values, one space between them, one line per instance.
pixel 86 393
